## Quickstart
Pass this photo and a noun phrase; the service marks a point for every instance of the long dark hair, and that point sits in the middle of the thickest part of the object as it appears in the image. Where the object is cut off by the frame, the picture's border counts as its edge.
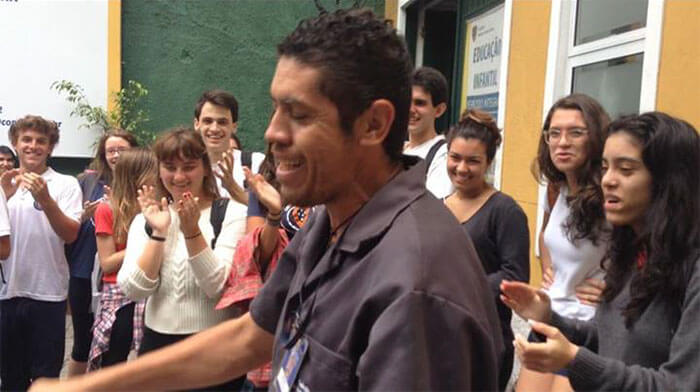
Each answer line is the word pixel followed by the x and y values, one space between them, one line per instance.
pixel 671 233
pixel 587 218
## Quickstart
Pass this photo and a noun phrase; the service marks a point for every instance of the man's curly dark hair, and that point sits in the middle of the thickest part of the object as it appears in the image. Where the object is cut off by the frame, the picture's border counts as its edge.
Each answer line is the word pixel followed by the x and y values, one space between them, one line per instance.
pixel 361 59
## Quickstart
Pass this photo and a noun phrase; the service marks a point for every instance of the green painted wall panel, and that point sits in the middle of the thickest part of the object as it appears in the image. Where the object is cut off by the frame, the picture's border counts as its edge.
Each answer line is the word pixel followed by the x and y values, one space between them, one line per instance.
pixel 179 48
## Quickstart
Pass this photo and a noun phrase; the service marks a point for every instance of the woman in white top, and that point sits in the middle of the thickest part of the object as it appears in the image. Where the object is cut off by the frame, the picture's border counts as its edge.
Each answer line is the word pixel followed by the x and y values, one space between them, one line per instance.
pixel 176 262
pixel 574 240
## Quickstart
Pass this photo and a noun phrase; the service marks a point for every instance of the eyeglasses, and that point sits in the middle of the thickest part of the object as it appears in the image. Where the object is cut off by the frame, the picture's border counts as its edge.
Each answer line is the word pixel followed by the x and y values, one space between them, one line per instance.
pixel 112 151
pixel 553 135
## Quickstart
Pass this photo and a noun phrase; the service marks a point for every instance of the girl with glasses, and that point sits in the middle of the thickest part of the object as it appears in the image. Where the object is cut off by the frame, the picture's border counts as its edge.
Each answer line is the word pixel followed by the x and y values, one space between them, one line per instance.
pixel 574 235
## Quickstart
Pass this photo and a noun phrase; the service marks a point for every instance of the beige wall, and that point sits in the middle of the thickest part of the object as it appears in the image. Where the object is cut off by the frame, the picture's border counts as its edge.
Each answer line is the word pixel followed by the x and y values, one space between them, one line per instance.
pixel 391 10
pixel 114 50
pixel 679 69
pixel 524 97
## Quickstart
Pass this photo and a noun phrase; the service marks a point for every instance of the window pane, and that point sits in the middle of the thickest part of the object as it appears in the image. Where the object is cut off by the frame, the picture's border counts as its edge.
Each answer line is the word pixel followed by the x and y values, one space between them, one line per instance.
pixel 615 83
pixel 596 19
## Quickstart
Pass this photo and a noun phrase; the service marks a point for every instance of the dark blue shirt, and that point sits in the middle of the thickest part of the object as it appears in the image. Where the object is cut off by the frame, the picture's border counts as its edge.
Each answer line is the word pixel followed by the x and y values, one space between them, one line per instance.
pixel 81 253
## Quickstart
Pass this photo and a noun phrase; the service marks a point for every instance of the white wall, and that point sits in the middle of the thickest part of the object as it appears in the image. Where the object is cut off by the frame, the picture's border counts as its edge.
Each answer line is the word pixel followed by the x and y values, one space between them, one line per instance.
pixel 42 41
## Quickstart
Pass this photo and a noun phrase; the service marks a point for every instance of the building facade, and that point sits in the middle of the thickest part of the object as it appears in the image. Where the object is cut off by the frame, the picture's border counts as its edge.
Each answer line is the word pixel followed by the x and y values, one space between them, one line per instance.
pixel 514 58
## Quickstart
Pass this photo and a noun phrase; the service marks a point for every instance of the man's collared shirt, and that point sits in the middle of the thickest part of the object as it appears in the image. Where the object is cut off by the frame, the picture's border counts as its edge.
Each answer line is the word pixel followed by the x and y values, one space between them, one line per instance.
pixel 399 302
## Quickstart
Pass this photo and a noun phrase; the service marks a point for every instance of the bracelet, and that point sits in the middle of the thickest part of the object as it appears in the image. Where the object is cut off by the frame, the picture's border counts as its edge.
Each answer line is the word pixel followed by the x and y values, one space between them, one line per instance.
pixel 157 238
pixel 273 220
pixel 276 216
pixel 193 236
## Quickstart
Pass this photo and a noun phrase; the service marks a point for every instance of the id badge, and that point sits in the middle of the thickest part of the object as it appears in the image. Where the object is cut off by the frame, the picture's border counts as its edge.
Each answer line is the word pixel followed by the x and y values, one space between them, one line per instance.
pixel 289 367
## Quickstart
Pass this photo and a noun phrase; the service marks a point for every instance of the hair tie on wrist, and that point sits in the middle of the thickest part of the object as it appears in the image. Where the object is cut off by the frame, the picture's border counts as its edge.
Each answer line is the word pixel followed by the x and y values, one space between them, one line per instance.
pixel 193 236
pixel 273 220
pixel 276 216
pixel 157 238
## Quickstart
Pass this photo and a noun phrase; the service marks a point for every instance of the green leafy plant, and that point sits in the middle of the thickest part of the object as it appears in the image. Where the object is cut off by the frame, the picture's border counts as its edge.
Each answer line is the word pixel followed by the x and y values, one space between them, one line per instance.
pixel 126 113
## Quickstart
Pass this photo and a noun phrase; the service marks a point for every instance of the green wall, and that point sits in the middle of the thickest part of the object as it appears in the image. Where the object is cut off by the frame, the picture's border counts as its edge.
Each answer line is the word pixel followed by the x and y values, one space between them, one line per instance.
pixel 179 48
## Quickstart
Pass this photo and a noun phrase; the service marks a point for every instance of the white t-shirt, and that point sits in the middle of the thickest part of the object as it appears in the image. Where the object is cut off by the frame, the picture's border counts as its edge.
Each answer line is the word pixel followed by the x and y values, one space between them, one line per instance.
pixel 37 266
pixel 255 161
pixel 437 181
pixel 572 263
pixel 4 215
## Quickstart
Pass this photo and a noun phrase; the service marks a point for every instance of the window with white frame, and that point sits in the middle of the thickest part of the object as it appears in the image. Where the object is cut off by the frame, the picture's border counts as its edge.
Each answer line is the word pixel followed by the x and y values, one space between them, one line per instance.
pixel 608 49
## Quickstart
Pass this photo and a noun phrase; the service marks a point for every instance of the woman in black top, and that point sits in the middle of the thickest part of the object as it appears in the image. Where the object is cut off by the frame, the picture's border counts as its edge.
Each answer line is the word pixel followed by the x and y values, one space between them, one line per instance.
pixel 494 221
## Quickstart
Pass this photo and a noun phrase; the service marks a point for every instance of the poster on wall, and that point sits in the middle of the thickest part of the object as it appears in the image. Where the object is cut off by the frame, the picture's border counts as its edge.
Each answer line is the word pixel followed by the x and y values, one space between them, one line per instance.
pixel 44 41
pixel 482 61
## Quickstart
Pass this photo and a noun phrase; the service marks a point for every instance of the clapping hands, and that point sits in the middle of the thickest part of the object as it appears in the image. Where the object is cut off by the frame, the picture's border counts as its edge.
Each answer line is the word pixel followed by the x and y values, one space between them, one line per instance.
pixel 266 193
pixel 189 212
pixel 11 181
pixel 157 214
pixel 225 173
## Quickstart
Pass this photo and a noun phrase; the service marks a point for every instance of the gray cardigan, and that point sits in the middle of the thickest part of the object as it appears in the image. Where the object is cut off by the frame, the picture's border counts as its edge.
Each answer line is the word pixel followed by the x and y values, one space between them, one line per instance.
pixel 661 352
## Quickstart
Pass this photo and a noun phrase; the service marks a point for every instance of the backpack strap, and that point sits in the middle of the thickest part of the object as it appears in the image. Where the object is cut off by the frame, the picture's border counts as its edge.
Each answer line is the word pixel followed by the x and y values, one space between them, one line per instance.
pixel 247 159
pixel 216 218
pixel 431 153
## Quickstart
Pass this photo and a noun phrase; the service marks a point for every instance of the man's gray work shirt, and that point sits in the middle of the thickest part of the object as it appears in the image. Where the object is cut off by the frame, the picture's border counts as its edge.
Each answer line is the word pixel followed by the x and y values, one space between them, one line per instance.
pixel 399 302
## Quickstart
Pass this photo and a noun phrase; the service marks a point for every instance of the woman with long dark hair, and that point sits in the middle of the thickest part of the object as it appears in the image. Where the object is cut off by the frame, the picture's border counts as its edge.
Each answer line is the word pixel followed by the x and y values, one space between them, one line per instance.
pixel 174 256
pixel 644 336
pixel 494 221
pixel 81 253
pixel 574 235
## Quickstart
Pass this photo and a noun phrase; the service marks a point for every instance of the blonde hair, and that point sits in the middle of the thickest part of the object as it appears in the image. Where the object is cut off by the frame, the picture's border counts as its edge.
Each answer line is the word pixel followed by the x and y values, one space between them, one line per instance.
pixel 134 169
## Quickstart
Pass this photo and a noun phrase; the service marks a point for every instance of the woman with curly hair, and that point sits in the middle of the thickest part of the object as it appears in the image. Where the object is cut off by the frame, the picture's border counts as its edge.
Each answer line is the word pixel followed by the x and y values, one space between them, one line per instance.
pixel 644 336
pixel 575 236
